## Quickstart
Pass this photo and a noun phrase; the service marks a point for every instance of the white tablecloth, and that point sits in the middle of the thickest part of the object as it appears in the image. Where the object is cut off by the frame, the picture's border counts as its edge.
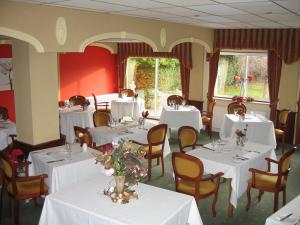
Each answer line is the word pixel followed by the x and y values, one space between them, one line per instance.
pixel 184 116
pixel 127 107
pixel 66 173
pixel 236 169
pixel 7 128
pixel 86 204
pixel 105 135
pixel 292 207
pixel 260 130
pixel 69 119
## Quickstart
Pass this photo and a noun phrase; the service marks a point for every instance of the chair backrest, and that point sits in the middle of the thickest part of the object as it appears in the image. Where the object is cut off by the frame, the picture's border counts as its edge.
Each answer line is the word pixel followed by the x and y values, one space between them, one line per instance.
pixel 187 136
pixel 128 92
pixel 235 106
pixel 83 136
pixel 157 135
pixel 9 170
pixel 100 105
pixel 101 118
pixel 283 117
pixel 210 108
pixel 285 161
pixel 78 100
pixel 187 167
pixel 174 98
pixel 3 113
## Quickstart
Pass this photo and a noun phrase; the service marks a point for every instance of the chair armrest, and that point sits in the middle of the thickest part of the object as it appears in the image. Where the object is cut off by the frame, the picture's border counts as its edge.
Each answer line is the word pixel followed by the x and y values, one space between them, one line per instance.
pixel 200 145
pixel 254 171
pixel 214 176
pixel 31 178
pixel 269 160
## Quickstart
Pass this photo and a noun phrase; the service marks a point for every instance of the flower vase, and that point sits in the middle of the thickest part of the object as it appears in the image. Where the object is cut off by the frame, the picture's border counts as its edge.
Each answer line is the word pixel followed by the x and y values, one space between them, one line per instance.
pixel 120 184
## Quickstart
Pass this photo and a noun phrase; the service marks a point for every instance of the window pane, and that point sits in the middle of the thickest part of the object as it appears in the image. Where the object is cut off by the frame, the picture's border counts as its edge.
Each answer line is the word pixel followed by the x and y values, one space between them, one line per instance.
pixel 242 74
pixel 154 88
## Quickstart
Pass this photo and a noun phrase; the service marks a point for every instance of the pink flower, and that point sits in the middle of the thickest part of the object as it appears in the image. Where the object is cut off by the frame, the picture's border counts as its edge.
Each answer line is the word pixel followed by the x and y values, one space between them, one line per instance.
pixel 109 172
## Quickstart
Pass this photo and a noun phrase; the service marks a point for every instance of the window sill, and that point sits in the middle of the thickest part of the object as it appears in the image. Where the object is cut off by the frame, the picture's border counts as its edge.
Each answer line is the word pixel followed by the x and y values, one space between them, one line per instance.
pixel 253 102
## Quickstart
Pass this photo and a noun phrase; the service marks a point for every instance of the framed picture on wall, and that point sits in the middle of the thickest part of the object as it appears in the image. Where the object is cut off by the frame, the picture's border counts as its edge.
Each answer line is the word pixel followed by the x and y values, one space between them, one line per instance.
pixel 6 74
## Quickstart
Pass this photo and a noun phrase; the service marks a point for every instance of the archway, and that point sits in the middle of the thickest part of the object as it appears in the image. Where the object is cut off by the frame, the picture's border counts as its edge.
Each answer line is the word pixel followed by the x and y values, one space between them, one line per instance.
pixel 192 40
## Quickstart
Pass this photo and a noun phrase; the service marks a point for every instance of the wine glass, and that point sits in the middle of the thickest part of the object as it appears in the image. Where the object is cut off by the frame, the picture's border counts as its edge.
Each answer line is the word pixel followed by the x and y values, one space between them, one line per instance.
pixel 68 147
pixel 183 102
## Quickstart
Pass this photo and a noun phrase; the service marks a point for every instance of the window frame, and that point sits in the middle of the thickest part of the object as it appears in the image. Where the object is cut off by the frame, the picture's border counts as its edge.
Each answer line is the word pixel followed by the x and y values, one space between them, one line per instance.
pixel 245 53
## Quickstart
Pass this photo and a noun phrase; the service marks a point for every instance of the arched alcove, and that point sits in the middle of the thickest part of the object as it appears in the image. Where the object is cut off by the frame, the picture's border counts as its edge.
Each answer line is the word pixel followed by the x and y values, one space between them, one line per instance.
pixel 192 40
pixel 117 35
pixel 23 37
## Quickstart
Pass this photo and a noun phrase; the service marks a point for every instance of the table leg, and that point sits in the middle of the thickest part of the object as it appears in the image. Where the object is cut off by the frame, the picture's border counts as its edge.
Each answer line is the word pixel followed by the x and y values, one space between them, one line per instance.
pixel 230 206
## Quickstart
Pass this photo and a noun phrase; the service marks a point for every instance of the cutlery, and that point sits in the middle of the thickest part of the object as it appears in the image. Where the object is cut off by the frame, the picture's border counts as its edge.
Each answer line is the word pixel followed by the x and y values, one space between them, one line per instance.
pixel 207 148
pixel 240 157
pixel 52 161
pixel 285 217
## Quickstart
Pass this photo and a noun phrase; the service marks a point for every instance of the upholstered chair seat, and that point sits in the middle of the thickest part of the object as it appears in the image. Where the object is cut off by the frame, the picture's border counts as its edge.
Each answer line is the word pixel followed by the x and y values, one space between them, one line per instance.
pixel 205 188
pixel 31 187
pixel 279 132
pixel 263 181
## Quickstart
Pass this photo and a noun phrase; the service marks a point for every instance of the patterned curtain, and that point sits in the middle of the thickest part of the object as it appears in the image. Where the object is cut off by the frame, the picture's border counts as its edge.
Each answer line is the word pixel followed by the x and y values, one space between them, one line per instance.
pixel 274 74
pixel 213 72
pixel 183 52
pixel 285 42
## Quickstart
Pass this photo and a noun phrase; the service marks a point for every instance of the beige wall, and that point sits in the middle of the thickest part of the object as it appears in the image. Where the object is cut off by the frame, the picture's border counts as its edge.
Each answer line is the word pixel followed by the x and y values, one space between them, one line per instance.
pixel 35 83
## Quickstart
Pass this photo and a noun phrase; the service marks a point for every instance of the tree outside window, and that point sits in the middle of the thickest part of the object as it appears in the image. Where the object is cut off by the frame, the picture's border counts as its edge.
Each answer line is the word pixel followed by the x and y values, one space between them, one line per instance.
pixel 243 74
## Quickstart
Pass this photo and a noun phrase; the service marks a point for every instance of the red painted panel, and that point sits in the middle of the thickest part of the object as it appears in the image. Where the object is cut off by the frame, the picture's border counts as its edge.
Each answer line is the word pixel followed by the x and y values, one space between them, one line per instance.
pixel 5 51
pixel 7 100
pixel 94 71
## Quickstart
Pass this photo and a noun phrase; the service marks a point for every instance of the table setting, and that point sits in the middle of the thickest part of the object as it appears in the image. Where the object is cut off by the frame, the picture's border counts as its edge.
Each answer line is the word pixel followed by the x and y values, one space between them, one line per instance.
pixel 127 106
pixel 7 128
pixel 65 165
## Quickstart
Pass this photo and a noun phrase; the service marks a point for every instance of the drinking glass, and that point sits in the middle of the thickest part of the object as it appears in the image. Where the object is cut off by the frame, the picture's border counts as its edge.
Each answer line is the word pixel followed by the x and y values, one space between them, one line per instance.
pixel 69 151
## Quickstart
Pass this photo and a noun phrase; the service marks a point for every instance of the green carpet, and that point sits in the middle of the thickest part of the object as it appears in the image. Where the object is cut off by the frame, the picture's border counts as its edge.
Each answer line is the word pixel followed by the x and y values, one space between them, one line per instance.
pixel 255 216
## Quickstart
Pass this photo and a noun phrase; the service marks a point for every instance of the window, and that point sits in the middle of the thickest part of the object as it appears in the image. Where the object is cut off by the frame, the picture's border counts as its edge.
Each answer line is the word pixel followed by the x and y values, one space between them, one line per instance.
pixel 154 79
pixel 243 74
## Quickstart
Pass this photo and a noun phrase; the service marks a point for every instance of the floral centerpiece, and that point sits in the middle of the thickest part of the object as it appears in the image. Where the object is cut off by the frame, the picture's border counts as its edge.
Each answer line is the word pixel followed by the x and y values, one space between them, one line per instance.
pixel 124 162
pixel 241 99
pixel 241 136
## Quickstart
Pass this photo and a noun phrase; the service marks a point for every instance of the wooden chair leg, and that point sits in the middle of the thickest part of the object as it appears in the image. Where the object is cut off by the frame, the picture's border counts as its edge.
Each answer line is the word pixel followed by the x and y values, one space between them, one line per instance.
pixel 163 165
pixel 248 197
pixel 283 197
pixel 149 168
pixel 260 194
pixel 36 201
pixel 276 201
pixel 157 162
pixel 282 142
pixel 16 211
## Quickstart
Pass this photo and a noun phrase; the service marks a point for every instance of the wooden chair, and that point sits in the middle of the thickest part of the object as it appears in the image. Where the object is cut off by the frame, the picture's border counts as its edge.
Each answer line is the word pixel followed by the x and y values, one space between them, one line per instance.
pixel 235 106
pixel 127 92
pixel 207 117
pixel 174 98
pixel 22 188
pixel 101 118
pixel 281 126
pixel 100 106
pixel 83 136
pixel 271 182
pixel 78 100
pixel 188 172
pixel 155 148
pixel 3 113
pixel 187 137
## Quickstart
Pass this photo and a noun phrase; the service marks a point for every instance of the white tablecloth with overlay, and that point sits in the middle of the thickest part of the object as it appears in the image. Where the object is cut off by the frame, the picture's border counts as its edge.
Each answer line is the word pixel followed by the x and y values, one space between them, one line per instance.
pixel 127 107
pixel 85 203
pixel 292 207
pixel 105 135
pixel 184 116
pixel 260 130
pixel 71 118
pixel 7 128
pixel 227 161
pixel 65 173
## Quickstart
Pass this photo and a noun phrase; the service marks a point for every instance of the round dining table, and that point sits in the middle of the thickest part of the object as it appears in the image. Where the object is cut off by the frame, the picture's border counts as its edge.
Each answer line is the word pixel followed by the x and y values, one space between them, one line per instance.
pixel 127 106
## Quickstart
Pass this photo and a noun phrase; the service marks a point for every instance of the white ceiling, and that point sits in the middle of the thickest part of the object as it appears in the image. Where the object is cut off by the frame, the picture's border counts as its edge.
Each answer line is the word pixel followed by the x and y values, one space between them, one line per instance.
pixel 202 13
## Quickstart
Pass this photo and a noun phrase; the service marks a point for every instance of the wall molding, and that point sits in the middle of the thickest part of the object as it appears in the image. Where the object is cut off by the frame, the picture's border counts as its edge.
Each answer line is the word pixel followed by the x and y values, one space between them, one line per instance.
pixel 192 40
pixel 23 37
pixel 120 35
pixel 101 45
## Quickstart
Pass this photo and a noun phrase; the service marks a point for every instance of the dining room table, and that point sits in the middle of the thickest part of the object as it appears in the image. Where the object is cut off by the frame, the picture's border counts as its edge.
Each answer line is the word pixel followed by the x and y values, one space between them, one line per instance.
pixel 85 203
pixel 186 115
pixel 65 165
pixel 127 106
pixel 7 128
pixel 74 116
pixel 124 131
pixel 259 129
pixel 234 161
pixel 287 215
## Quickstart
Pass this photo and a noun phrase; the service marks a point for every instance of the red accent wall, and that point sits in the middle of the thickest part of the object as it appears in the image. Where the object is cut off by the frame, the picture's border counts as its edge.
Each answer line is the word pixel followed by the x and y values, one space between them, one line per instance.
pixel 7 97
pixel 94 71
